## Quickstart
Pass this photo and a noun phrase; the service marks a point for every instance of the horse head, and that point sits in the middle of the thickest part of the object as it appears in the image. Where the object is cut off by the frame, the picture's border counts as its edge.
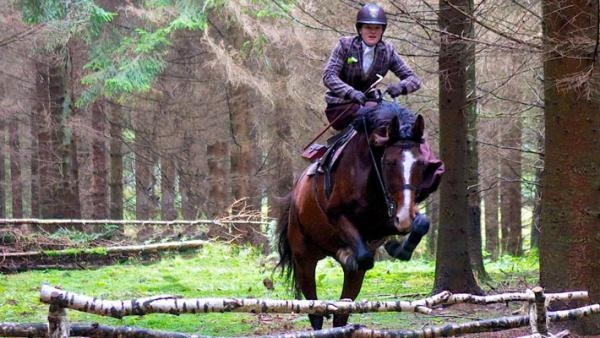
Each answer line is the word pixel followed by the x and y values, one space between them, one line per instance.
pixel 402 165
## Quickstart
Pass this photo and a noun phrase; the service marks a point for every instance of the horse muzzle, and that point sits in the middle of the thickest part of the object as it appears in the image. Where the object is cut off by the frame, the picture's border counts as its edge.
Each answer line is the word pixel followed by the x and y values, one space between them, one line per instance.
pixel 402 225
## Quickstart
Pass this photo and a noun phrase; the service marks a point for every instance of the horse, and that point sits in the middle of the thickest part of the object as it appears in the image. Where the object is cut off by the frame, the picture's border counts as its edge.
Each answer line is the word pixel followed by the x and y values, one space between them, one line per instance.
pixel 374 189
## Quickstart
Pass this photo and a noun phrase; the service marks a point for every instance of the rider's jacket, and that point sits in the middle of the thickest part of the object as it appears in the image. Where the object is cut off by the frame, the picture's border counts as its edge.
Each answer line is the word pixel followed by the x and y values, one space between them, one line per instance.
pixel 344 71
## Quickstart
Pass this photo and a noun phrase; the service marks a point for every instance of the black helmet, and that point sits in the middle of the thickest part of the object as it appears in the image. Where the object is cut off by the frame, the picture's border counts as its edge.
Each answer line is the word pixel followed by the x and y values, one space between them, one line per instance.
pixel 371 14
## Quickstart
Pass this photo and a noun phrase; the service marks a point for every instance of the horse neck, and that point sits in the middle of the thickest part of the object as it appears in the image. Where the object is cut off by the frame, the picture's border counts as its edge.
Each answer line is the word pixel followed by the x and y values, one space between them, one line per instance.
pixel 361 157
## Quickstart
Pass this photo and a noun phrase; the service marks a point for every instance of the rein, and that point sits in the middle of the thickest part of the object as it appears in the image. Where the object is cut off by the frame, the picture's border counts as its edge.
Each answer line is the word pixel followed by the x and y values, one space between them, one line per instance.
pixel 390 205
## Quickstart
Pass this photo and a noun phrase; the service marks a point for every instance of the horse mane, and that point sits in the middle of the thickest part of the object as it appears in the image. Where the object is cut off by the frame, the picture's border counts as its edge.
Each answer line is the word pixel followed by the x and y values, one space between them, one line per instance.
pixel 380 116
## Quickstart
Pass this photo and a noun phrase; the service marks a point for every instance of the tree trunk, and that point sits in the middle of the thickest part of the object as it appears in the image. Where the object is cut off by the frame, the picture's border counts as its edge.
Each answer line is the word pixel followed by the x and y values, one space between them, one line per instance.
pixel 187 180
pixel 536 225
pixel 510 189
pixel 99 193
pixel 15 169
pixel 116 162
pixel 490 199
pixel 244 157
pixel 569 247
pixel 453 267
pixel 144 186
pixel 35 152
pixel 489 181
pixel 167 189
pixel 3 183
pixel 59 195
pixel 433 212
pixel 473 187
pixel 217 158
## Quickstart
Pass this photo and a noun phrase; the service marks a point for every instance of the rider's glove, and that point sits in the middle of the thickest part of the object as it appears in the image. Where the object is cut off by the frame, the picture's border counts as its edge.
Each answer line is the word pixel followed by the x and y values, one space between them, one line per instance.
pixel 403 87
pixel 357 96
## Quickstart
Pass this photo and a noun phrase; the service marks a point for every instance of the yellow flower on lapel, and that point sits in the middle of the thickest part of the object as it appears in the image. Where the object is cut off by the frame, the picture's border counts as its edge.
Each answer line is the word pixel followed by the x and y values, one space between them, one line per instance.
pixel 351 60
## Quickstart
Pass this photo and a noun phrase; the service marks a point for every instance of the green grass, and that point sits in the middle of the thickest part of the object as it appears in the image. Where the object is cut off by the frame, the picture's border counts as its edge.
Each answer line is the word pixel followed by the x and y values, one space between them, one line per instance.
pixel 218 270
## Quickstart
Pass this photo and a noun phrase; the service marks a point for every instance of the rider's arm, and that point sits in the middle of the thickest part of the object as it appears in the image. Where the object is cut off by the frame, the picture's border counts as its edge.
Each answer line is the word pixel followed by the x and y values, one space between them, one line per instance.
pixel 409 82
pixel 333 69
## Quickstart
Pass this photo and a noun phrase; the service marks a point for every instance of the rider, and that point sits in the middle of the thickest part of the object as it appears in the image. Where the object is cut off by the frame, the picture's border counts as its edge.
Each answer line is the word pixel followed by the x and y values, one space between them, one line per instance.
pixel 355 64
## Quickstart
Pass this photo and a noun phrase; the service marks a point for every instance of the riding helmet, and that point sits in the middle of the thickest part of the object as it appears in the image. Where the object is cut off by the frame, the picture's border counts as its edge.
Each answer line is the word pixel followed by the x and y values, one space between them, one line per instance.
pixel 371 14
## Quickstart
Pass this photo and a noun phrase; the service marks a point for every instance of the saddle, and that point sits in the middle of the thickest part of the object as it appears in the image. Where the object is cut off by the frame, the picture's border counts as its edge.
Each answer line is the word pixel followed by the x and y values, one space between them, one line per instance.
pixel 326 162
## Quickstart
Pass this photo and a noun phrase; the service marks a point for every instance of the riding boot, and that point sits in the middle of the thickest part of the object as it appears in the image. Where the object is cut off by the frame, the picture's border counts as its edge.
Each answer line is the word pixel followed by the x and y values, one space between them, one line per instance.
pixel 403 251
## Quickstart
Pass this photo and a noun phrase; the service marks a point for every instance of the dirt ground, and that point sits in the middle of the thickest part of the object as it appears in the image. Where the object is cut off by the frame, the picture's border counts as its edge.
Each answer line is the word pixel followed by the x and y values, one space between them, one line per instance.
pixel 271 324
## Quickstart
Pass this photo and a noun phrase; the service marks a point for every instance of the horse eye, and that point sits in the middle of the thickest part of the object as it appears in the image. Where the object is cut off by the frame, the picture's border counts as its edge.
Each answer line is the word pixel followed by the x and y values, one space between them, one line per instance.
pixel 391 163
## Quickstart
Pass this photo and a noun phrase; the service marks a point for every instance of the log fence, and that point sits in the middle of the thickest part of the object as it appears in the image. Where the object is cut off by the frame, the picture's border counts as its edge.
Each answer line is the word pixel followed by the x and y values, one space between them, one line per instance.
pixel 59 301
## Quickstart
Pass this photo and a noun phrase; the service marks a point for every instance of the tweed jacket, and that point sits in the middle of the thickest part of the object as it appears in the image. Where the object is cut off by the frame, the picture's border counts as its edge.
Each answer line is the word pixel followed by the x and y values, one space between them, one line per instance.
pixel 343 71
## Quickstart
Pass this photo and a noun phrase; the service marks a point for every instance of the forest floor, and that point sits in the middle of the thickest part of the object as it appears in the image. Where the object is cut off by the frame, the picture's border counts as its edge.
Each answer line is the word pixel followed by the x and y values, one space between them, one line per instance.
pixel 219 270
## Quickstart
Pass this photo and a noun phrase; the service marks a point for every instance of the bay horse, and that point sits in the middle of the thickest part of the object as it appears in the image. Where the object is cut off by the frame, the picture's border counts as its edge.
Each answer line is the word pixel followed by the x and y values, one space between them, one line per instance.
pixel 373 194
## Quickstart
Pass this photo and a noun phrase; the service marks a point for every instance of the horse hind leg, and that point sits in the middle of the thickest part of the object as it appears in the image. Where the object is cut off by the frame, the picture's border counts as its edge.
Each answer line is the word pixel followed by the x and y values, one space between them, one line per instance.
pixel 353 281
pixel 305 274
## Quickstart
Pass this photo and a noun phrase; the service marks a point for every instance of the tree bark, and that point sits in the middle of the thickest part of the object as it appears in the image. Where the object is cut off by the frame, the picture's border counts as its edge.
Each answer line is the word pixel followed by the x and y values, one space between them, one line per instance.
pixel 218 165
pixel 489 166
pixel 473 186
pixel 3 177
pixel 510 188
pixel 116 162
pixel 59 195
pixel 99 194
pixel 433 212
pixel 15 169
pixel 167 189
pixel 244 151
pixel 453 267
pixel 569 242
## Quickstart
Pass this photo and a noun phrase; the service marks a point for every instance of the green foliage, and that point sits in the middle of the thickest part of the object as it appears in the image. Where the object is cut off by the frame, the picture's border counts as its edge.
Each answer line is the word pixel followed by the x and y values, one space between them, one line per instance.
pixel 122 60
pixel 35 11
pixel 75 252
pixel 83 238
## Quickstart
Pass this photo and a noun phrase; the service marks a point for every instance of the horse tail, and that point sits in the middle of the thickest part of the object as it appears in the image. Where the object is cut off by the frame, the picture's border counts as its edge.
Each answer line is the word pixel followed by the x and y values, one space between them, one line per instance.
pixel 286 258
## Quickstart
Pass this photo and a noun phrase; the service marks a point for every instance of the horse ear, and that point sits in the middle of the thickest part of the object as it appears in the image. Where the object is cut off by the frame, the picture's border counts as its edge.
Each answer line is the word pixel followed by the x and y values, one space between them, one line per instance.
pixel 418 128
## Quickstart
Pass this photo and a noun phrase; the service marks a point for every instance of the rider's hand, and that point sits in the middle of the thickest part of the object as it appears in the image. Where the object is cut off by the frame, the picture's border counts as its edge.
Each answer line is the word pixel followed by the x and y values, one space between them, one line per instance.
pixel 357 96
pixel 402 88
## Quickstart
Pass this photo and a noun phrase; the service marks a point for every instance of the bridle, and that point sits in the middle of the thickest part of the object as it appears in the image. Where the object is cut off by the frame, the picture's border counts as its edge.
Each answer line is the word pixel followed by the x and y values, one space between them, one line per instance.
pixel 389 201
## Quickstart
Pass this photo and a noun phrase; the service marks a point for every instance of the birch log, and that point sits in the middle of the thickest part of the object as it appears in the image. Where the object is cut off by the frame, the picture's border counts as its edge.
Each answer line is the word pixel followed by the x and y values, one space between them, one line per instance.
pixel 515 296
pixel 176 305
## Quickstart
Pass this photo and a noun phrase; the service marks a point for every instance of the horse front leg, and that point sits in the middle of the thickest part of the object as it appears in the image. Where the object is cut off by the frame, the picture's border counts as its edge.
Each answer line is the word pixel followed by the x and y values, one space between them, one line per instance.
pixel 356 256
pixel 305 274
pixel 352 284
pixel 403 251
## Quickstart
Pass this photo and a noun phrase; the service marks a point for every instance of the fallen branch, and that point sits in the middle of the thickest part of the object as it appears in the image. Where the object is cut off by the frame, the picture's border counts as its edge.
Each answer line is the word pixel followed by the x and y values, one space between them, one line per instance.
pixel 108 250
pixel 515 296
pixel 88 330
pixel 35 221
pixel 350 331
pixel 176 305
pixel 488 325
pixel 19 261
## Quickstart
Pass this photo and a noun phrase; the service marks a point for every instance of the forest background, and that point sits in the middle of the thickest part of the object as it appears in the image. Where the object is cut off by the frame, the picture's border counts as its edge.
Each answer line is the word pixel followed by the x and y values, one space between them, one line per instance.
pixel 177 109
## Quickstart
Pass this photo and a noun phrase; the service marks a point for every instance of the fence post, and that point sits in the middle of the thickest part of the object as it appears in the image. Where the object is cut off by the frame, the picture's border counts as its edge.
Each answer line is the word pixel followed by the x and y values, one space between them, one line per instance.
pixel 538 318
pixel 58 325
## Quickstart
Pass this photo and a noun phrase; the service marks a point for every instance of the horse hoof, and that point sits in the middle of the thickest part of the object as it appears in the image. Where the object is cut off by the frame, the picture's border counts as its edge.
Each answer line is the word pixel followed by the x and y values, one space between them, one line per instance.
pixel 398 251
pixel 316 321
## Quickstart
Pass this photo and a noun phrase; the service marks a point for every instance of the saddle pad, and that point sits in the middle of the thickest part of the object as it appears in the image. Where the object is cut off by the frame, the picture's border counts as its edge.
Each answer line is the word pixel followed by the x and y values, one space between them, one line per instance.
pixel 313 169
